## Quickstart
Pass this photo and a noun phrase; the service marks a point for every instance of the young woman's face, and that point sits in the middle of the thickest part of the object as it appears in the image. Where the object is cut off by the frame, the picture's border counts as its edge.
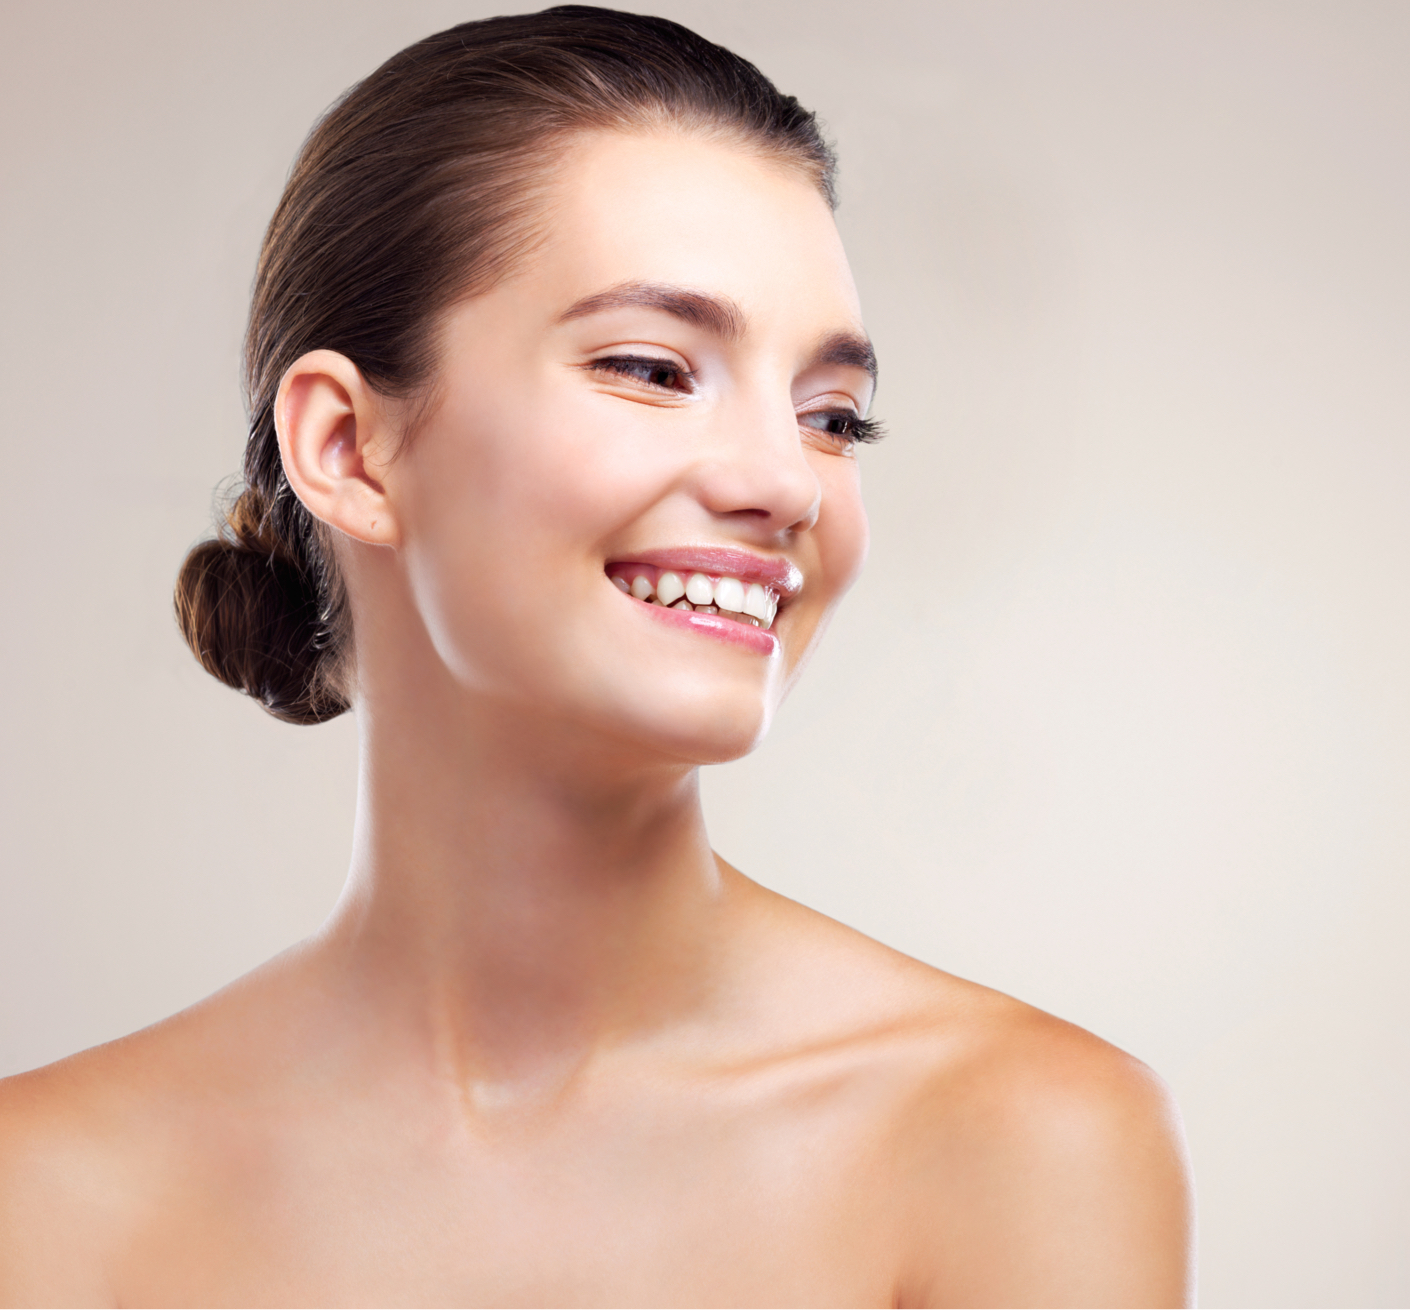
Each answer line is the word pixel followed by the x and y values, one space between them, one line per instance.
pixel 664 398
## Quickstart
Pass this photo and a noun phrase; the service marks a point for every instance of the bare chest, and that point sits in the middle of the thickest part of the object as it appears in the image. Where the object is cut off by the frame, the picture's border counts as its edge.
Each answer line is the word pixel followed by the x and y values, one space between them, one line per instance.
pixel 787 1206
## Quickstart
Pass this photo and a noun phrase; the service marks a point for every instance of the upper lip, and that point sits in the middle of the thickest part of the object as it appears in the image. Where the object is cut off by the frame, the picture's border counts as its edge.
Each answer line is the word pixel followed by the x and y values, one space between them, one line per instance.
pixel 780 574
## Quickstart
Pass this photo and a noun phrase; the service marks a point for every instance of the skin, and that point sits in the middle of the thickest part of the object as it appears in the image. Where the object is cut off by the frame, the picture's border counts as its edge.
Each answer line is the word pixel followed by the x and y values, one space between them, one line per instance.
pixel 549 1049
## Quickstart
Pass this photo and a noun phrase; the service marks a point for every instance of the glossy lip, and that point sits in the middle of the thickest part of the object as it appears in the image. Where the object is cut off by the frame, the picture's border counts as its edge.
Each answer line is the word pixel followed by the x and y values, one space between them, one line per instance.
pixel 758 640
pixel 781 574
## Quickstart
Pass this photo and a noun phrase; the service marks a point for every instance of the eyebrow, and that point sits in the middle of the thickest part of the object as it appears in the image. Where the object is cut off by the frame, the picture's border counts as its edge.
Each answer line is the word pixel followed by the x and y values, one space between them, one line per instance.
pixel 848 348
pixel 717 315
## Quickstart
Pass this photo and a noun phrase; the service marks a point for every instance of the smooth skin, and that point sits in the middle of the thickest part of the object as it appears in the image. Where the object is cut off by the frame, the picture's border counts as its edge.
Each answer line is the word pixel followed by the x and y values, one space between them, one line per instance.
pixel 549 1049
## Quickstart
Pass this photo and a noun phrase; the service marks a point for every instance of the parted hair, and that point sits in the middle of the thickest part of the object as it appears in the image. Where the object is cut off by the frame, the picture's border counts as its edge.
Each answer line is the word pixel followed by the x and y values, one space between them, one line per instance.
pixel 419 187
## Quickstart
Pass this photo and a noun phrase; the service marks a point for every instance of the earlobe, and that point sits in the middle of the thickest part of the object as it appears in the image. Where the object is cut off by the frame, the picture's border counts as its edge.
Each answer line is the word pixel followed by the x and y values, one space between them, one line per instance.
pixel 332 428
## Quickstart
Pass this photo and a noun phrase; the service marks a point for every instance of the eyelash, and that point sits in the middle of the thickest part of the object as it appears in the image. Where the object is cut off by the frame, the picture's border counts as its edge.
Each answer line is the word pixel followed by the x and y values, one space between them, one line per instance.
pixel 858 429
pixel 641 368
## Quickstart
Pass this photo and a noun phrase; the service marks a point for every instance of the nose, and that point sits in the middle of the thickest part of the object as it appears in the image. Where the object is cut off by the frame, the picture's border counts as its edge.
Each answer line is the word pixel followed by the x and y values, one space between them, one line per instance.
pixel 754 470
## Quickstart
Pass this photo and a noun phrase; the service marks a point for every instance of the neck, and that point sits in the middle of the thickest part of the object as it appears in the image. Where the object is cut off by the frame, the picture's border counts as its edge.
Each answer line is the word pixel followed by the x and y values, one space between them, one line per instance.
pixel 523 894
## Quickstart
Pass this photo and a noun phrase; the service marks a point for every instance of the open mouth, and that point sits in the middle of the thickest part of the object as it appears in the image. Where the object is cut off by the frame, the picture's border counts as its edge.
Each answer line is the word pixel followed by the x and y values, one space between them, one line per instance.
pixel 751 603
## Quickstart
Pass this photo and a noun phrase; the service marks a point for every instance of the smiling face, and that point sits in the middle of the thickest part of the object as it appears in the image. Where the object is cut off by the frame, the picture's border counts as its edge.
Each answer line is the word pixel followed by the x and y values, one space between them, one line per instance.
pixel 660 405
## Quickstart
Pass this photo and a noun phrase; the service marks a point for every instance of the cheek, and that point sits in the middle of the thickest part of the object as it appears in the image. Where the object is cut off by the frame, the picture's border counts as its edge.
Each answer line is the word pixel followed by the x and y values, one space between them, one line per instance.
pixel 839 542
pixel 490 487
pixel 843 533
pixel 506 509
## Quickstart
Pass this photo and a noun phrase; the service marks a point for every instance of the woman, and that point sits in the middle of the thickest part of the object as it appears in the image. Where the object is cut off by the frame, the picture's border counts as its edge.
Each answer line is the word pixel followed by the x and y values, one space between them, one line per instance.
pixel 557 375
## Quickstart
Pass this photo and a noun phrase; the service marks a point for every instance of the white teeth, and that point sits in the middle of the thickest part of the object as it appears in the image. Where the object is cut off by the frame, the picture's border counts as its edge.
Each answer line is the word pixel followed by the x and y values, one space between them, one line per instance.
pixel 743 602
pixel 729 594
pixel 669 588
pixel 699 590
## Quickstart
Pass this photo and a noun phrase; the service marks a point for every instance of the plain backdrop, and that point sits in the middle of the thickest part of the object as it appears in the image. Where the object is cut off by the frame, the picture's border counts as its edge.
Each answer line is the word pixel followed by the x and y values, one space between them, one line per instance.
pixel 1118 719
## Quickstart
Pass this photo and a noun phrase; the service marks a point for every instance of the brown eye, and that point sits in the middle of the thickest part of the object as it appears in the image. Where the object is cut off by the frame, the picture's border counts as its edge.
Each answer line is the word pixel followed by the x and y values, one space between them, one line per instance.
pixel 842 428
pixel 653 372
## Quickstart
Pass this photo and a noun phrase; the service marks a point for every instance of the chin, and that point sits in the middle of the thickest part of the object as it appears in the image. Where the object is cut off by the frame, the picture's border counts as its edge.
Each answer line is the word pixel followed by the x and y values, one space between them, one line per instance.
pixel 711 729
pixel 718 743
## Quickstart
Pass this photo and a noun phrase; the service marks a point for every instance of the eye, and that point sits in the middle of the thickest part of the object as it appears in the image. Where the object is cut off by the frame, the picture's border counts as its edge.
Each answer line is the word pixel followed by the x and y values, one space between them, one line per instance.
pixel 841 428
pixel 663 374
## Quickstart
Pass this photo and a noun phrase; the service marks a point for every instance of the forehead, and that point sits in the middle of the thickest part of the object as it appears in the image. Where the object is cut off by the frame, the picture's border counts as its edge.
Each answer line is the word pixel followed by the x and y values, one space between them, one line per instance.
pixel 673 208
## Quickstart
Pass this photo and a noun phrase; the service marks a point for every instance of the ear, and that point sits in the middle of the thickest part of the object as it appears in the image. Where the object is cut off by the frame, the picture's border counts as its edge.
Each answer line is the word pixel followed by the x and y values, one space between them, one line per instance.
pixel 335 439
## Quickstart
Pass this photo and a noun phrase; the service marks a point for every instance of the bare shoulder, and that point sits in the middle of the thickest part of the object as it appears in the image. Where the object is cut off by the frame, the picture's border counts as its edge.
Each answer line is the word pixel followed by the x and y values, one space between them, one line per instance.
pixel 68 1175
pixel 1053 1161
pixel 1045 1166
pixel 1032 1162
pixel 95 1146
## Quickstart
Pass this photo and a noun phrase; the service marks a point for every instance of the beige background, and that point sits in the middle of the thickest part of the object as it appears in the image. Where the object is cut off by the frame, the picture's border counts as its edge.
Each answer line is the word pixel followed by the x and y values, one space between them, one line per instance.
pixel 1118 718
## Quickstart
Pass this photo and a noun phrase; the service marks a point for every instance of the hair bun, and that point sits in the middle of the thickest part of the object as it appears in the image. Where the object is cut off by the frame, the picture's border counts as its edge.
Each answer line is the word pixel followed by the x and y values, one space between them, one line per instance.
pixel 252 617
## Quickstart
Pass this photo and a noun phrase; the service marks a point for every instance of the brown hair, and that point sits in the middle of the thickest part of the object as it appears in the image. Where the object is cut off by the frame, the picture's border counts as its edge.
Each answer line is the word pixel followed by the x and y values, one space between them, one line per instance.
pixel 417 188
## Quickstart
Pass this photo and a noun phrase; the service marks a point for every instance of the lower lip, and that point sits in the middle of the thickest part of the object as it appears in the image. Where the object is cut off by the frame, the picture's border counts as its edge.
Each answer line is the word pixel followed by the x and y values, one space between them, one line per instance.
pixel 743 635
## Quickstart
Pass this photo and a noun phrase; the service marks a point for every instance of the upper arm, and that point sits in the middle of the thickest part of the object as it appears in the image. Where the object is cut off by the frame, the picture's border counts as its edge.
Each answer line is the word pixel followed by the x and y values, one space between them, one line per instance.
pixel 1059 1179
